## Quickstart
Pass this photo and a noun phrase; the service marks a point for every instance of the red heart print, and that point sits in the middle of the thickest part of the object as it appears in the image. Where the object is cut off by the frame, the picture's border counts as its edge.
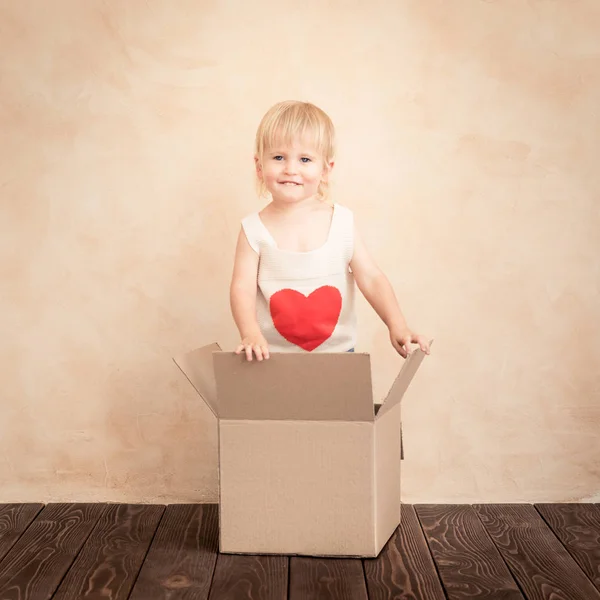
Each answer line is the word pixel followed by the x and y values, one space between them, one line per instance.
pixel 306 321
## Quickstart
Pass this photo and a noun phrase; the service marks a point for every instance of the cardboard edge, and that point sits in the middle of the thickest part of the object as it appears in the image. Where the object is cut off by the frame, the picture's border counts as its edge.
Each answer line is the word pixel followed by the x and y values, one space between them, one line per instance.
pixel 379 549
pixel 290 554
pixel 219 511
pixel 375 496
pixel 388 403
pixel 386 433
pixel 180 359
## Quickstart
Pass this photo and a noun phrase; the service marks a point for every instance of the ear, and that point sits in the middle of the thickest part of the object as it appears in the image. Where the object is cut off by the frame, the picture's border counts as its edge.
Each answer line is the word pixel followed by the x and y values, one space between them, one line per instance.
pixel 327 170
pixel 258 167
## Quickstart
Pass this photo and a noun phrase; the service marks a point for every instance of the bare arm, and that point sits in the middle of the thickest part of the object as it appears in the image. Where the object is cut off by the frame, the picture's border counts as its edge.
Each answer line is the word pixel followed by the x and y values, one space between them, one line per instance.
pixel 378 291
pixel 242 296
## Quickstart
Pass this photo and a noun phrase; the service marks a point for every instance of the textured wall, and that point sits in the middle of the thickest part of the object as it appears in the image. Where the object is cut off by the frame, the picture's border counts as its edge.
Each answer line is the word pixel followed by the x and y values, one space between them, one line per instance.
pixel 469 144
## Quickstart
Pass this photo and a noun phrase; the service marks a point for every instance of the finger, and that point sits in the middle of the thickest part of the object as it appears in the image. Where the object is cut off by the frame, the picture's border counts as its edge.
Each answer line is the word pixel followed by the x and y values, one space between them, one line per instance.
pixel 249 352
pixel 258 352
pixel 265 350
pixel 407 347
pixel 239 348
pixel 399 348
pixel 423 344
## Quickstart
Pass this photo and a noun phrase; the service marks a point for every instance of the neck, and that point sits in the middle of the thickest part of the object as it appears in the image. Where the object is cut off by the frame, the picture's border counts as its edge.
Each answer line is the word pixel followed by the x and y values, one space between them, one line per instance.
pixel 294 207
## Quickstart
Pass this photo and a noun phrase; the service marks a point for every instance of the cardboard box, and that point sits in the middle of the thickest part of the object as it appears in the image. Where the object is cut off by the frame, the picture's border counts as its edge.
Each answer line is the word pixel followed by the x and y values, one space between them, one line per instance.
pixel 308 464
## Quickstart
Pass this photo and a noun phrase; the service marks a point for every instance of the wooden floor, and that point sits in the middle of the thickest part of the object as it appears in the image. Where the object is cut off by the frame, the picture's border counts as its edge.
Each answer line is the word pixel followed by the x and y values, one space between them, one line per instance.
pixel 146 552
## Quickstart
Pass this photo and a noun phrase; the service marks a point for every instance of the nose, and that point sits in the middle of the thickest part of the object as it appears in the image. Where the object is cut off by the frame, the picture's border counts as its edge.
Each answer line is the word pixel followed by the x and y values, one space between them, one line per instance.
pixel 290 167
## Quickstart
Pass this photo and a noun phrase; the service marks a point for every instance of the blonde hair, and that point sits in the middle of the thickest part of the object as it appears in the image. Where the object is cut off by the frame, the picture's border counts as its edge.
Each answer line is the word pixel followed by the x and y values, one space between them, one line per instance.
pixel 287 121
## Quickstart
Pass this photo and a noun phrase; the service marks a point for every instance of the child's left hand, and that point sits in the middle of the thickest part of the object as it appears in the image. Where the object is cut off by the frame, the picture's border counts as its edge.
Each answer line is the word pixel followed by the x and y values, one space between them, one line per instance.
pixel 402 338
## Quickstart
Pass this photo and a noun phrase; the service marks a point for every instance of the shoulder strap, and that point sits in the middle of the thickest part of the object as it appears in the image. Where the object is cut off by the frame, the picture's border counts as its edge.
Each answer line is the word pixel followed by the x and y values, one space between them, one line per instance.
pixel 256 232
pixel 343 228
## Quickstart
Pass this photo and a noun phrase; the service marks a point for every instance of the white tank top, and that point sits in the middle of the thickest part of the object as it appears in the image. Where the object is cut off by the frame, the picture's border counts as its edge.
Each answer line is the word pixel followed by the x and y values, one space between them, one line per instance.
pixel 305 300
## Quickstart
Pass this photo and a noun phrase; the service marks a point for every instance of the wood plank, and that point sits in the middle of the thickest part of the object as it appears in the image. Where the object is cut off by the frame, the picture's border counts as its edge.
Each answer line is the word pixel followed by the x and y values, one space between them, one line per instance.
pixel 110 560
pixel 37 563
pixel 404 570
pixel 538 561
pixel 250 577
pixel 14 520
pixel 577 526
pixel 327 578
pixel 469 564
pixel 182 557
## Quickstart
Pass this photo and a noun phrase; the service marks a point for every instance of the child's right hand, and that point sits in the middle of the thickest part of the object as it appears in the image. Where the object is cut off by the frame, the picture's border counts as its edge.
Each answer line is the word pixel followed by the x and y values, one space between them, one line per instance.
pixel 254 344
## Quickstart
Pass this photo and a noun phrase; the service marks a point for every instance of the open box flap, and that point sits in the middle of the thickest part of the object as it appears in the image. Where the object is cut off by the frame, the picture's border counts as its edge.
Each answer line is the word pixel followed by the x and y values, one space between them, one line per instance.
pixel 197 366
pixel 400 385
pixel 295 386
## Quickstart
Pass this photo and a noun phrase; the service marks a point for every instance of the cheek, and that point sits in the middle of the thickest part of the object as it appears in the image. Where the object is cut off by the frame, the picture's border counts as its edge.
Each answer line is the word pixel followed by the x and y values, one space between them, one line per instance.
pixel 268 173
pixel 317 174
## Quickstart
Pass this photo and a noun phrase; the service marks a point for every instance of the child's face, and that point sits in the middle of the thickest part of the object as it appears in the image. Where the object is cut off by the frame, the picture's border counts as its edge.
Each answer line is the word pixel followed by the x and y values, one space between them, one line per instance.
pixel 292 172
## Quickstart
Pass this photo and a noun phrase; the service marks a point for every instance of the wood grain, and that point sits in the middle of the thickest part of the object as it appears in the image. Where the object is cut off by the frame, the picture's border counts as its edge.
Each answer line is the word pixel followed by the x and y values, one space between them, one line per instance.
pixel 36 564
pixel 404 570
pixel 182 557
pixel 110 560
pixel 577 526
pixel 469 564
pixel 538 561
pixel 327 579
pixel 250 577
pixel 14 520
pixel 88 551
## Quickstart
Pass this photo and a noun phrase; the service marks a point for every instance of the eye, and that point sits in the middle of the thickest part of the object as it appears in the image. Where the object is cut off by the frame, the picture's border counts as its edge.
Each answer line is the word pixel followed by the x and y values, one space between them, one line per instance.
pixel 278 157
pixel 305 159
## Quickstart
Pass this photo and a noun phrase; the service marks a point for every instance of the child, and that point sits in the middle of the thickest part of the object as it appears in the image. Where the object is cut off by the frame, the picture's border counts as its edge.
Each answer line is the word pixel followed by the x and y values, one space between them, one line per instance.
pixel 297 260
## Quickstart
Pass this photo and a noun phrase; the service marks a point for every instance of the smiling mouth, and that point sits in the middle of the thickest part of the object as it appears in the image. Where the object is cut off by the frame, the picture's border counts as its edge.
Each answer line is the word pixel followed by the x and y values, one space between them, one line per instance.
pixel 289 183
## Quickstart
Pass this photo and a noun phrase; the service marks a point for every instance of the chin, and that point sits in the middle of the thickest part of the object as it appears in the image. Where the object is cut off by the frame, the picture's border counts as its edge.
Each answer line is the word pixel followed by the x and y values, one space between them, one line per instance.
pixel 293 195
pixel 289 200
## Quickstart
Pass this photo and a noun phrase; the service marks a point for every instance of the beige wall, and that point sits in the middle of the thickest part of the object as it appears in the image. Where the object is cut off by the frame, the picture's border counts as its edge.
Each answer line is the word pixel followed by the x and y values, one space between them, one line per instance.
pixel 468 148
